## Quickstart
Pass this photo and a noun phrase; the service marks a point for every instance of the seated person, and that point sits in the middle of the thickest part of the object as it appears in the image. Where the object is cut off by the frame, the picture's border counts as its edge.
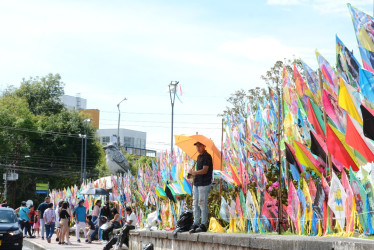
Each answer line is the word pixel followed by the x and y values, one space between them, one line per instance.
pixel 116 223
pixel 104 216
pixel 131 221
pixel 90 229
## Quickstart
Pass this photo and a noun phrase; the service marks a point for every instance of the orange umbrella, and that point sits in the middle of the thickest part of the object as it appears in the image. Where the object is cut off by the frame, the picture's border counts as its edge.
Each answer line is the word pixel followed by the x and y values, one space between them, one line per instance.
pixel 186 143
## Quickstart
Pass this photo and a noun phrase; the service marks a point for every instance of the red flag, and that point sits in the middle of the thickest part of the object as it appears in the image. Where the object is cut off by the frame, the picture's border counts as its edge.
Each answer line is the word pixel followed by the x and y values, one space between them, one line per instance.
pixel 337 149
pixel 314 121
pixel 238 208
pixel 301 87
pixel 312 189
pixel 355 139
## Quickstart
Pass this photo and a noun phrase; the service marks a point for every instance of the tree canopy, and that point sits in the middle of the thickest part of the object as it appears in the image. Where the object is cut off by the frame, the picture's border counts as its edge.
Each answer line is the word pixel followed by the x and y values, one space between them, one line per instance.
pixel 240 100
pixel 41 138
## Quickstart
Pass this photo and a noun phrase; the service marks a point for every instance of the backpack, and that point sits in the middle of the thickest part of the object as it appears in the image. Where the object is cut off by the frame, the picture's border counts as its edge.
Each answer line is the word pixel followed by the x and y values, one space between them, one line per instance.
pixel 184 222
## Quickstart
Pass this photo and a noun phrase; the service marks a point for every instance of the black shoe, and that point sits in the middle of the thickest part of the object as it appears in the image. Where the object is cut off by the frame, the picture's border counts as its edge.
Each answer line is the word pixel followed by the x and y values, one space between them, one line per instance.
pixel 202 228
pixel 57 239
pixel 193 229
pixel 42 238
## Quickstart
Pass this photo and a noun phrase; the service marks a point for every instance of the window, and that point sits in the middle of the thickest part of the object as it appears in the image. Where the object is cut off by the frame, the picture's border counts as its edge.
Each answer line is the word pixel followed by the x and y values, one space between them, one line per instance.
pixel 8 216
pixel 142 143
pixel 128 141
pixel 105 139
pixel 137 142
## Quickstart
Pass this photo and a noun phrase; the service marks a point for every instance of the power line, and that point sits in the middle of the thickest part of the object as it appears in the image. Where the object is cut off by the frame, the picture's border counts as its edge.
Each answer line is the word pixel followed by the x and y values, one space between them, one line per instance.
pixel 42 171
pixel 124 120
pixel 145 113
pixel 28 156
pixel 44 132
pixel 154 126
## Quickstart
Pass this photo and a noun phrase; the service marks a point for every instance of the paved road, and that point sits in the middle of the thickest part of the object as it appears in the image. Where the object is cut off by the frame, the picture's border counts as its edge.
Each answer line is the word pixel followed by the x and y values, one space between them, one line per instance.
pixel 75 245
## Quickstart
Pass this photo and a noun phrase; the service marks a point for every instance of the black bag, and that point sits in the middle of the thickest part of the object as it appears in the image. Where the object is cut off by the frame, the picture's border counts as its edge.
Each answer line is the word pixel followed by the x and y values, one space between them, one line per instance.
pixel 149 246
pixel 185 222
pixel 111 243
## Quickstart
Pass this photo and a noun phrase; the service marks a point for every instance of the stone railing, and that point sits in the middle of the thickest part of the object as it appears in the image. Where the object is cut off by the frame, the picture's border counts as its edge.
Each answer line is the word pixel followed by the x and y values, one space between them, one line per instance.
pixel 166 240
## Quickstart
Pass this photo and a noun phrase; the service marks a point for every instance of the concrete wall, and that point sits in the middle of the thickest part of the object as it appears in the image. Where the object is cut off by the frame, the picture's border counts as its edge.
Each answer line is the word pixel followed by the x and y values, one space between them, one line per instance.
pixel 166 240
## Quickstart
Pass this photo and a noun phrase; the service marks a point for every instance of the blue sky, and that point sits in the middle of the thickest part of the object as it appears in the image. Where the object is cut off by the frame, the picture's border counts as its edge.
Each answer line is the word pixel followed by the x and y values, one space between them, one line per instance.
pixel 107 50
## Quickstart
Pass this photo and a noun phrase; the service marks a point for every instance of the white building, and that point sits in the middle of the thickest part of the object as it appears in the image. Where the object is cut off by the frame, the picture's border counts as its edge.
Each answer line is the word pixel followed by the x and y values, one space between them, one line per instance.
pixel 74 102
pixel 134 142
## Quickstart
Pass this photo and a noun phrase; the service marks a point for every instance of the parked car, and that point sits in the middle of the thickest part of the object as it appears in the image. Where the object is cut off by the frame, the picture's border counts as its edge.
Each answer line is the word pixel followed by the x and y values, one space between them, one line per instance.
pixel 11 236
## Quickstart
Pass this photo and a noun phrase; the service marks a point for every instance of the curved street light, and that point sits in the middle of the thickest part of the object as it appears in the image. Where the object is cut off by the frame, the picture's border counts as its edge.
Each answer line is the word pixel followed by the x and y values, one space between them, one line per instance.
pixel 87 121
pixel 172 92
pixel 119 120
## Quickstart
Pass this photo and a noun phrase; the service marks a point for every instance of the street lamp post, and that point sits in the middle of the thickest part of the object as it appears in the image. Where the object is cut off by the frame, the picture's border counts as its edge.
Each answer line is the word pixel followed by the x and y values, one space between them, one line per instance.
pixel 81 136
pixel 87 121
pixel 172 92
pixel 119 121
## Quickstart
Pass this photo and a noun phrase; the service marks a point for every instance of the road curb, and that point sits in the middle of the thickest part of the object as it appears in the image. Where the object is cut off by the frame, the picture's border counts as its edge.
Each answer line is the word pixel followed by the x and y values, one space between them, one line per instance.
pixel 33 245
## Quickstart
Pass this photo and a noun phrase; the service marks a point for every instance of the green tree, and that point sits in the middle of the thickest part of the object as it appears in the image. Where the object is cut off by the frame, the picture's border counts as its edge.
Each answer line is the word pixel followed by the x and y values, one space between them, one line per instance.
pixel 274 76
pixel 41 138
pixel 240 100
pixel 42 94
pixel 136 161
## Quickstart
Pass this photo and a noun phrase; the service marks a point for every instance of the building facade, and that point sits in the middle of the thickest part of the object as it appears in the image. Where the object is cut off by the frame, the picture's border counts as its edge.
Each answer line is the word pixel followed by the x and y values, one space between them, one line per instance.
pixel 74 102
pixel 134 142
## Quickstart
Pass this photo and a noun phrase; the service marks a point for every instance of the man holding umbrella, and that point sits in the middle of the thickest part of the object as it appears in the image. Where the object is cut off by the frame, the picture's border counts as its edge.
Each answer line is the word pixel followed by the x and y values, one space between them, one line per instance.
pixel 201 188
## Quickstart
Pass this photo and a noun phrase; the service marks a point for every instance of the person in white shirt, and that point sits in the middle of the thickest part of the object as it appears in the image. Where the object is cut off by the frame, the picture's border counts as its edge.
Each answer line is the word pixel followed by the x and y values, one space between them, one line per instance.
pixel 131 222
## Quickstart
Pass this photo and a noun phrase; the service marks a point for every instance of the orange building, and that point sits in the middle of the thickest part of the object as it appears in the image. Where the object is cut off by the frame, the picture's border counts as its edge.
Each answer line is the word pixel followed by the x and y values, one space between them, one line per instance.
pixel 94 114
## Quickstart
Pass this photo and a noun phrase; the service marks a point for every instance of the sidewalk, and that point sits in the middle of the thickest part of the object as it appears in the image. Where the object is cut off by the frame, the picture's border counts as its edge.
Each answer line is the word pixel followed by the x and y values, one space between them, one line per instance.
pixel 43 244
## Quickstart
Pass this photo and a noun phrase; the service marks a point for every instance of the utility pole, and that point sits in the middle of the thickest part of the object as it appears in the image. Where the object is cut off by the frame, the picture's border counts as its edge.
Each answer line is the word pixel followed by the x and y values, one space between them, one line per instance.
pixel 6 184
pixel 119 121
pixel 280 102
pixel 87 121
pixel 82 136
pixel 85 158
pixel 172 91
pixel 220 180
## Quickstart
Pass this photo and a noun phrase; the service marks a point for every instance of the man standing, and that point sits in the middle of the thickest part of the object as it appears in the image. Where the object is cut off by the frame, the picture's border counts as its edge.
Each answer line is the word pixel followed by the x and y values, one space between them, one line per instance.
pixel 80 219
pixel 50 221
pixel 42 207
pixel 201 188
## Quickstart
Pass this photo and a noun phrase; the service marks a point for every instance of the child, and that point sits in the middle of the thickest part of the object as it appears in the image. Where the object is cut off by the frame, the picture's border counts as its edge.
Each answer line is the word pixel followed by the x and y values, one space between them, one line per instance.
pixel 37 224
pixel 90 229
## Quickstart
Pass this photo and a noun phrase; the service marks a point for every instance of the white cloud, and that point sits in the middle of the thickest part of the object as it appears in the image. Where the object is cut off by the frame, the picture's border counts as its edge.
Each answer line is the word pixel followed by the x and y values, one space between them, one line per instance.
pixel 285 2
pixel 338 6
pixel 324 6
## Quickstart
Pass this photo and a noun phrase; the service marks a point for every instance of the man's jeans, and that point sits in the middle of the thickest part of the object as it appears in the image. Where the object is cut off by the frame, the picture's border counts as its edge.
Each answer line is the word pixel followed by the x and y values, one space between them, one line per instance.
pixel 50 229
pixel 200 204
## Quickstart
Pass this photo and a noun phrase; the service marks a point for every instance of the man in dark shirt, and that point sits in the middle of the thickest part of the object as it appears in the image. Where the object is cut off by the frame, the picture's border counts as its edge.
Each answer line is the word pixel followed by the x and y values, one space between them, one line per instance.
pixel 201 188
pixel 42 207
